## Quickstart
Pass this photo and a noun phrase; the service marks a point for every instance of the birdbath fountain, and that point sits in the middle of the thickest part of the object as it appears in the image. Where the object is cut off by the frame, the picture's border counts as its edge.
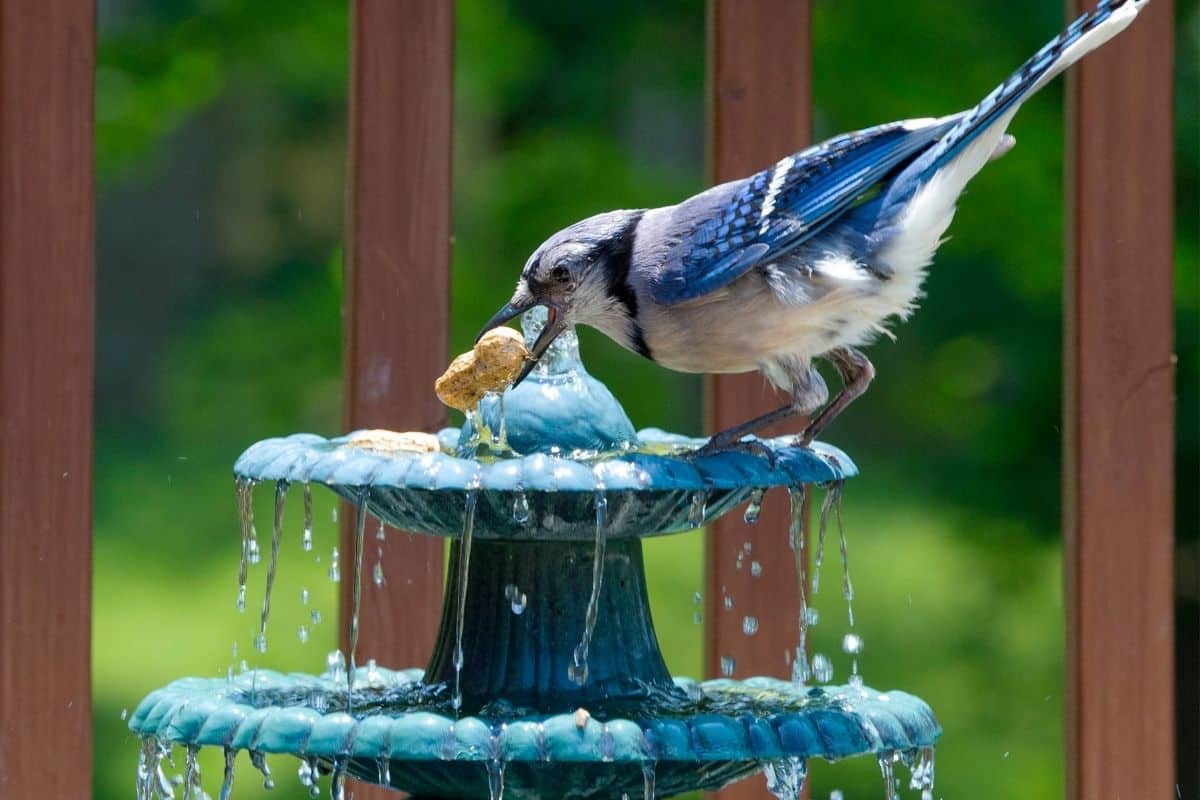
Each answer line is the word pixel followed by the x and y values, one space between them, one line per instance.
pixel 546 680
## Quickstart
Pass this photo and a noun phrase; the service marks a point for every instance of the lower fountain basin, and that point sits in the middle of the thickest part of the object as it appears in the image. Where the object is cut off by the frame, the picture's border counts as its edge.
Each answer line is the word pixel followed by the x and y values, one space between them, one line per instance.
pixel 401 732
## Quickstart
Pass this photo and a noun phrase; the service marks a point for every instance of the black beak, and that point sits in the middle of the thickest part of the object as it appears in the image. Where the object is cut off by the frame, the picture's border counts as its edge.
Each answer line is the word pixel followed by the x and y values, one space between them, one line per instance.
pixel 509 311
pixel 555 325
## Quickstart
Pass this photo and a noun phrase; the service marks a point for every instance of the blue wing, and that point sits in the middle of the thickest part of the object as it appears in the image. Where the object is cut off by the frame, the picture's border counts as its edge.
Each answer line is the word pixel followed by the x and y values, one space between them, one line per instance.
pixel 720 234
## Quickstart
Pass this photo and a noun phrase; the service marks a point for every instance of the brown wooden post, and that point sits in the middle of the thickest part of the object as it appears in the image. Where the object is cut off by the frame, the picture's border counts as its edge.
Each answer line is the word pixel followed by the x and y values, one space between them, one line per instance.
pixel 397 284
pixel 47 60
pixel 759 106
pixel 1118 388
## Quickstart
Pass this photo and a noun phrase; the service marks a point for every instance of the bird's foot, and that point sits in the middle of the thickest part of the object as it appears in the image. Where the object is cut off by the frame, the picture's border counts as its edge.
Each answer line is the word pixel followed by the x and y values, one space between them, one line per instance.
pixel 721 444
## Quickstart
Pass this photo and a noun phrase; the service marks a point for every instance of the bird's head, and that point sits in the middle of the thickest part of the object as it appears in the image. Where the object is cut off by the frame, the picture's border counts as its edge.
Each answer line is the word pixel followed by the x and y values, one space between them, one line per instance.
pixel 572 274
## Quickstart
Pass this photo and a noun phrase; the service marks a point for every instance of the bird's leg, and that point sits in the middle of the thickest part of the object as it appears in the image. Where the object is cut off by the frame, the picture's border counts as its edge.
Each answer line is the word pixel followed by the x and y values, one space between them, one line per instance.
pixel 857 372
pixel 731 438
pixel 808 393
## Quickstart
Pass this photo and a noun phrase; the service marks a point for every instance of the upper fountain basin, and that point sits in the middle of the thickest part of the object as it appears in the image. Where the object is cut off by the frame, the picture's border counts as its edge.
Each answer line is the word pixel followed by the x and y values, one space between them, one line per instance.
pixel 653 484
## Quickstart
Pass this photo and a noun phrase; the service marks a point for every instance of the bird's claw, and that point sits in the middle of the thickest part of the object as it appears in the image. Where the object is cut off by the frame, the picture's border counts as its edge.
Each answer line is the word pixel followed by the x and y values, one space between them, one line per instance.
pixel 754 447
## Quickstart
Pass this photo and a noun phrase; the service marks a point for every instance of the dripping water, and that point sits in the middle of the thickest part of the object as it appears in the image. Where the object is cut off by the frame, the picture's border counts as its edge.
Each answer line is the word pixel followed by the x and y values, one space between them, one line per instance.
pixel 383 767
pixel 147 768
pixel 798 542
pixel 227 780
pixel 337 788
pixel 786 777
pixel 335 566
pixel 245 504
pixel 360 527
pixel 579 668
pixel 259 760
pixel 281 490
pixel 306 540
pixel 520 510
pixel 728 663
pixel 852 643
pixel 517 600
pixel 887 763
pixel 377 576
pixel 819 558
pixel 464 566
pixel 192 789
pixel 922 774
pixel 698 510
pixel 648 792
pixel 495 776
pixel 754 507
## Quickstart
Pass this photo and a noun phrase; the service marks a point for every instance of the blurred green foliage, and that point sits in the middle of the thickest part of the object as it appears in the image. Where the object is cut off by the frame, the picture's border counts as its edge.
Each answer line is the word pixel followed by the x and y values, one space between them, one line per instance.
pixel 221 139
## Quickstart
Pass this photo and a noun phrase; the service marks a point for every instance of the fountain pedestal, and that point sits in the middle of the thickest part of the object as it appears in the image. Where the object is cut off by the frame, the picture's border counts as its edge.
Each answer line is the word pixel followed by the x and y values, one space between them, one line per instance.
pixel 524 652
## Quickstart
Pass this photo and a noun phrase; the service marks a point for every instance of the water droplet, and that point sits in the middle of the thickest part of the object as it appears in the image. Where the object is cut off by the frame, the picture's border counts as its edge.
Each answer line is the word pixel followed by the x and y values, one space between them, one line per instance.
pixel 516 598
pixel 315 617
pixel 302 634
pixel 240 603
pixel 755 569
pixel 750 625
pixel 697 598
pixel 520 509
pixel 260 643
pixel 377 574
pixel 306 540
pixel 812 616
pixel 728 602
pixel 333 515
pixel 254 554
pixel 335 570
pixel 697 618
pixel 727 665
pixel 852 644
pixel 822 668
pixel 836 794
pixel 855 680
pixel 304 596
pixel 335 666
pixel 754 507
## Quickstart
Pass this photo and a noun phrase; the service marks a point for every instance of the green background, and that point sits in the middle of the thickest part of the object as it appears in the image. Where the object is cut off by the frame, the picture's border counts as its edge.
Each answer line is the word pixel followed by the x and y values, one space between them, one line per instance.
pixel 220 147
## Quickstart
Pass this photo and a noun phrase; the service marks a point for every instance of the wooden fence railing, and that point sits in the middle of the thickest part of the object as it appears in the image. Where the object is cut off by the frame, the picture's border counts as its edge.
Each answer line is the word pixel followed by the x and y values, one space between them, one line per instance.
pixel 1118 380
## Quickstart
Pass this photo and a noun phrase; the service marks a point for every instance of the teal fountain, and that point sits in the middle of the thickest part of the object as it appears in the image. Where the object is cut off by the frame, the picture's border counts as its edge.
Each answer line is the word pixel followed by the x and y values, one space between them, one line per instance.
pixel 546 680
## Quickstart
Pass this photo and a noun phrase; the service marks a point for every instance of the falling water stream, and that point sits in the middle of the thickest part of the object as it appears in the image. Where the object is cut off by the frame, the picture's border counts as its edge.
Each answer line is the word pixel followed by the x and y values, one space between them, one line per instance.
pixel 798 542
pixel 360 527
pixel 464 567
pixel 245 504
pixel 579 667
pixel 281 490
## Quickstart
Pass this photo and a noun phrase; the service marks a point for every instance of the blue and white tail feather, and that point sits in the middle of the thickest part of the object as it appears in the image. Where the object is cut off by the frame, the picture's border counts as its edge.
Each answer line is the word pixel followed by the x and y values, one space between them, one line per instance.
pixel 919 205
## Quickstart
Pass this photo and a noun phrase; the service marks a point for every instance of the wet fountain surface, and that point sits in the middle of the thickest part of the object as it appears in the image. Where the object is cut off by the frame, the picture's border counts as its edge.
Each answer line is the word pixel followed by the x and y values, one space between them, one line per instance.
pixel 547 679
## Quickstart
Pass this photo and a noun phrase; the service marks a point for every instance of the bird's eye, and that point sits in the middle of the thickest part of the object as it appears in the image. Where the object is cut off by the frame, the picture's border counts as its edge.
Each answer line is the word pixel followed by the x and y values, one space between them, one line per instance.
pixel 560 274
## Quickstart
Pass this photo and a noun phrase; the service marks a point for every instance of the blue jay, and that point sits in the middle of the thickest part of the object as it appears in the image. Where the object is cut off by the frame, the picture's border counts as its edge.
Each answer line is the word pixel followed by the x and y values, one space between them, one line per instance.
pixel 809 258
